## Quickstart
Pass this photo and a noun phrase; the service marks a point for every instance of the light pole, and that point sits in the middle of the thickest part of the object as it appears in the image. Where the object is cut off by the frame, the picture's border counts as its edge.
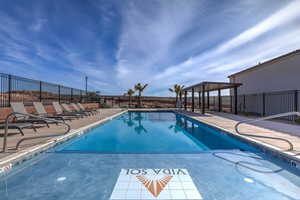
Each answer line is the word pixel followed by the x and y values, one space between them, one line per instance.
pixel 86 82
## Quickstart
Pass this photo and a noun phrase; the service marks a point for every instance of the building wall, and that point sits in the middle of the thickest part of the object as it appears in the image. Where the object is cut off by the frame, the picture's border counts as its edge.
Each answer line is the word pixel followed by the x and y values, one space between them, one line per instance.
pixel 280 75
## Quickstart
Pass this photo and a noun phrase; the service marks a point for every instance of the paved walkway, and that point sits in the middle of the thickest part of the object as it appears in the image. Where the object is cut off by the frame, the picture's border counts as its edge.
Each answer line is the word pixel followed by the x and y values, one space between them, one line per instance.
pixel 263 128
pixel 75 124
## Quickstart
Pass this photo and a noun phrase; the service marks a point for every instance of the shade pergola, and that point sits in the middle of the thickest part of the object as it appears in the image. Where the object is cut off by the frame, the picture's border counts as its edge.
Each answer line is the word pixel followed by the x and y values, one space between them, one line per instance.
pixel 207 86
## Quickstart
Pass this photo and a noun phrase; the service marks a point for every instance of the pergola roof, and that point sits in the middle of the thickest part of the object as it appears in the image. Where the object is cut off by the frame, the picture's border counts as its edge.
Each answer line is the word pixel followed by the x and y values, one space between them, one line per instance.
pixel 211 86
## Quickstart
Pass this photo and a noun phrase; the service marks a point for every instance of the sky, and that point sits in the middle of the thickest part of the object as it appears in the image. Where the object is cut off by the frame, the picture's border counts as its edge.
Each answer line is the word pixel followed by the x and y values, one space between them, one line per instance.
pixel 118 43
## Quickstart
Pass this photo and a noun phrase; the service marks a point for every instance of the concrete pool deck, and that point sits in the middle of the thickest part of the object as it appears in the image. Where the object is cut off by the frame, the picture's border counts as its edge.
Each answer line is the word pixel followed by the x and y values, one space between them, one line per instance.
pixel 13 138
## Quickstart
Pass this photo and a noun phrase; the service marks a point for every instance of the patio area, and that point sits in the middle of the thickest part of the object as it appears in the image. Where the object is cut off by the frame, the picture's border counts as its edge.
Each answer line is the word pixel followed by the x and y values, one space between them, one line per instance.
pixel 75 124
pixel 263 128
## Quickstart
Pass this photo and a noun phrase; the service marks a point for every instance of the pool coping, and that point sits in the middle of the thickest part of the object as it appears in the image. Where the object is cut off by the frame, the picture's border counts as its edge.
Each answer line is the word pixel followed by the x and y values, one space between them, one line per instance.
pixel 17 158
pixel 289 157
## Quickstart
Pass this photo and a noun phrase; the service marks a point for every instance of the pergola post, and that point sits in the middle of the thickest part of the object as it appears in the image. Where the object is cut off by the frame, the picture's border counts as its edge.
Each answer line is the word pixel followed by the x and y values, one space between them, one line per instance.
pixel 204 88
pixel 219 100
pixel 180 97
pixel 231 103
pixel 235 100
pixel 207 100
pixel 193 105
pixel 185 100
pixel 203 100
pixel 199 99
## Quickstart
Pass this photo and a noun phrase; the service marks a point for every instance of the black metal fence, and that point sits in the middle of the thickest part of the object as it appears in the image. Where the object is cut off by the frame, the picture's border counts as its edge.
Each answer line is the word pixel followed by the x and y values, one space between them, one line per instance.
pixel 260 104
pixel 265 104
pixel 16 89
pixel 133 102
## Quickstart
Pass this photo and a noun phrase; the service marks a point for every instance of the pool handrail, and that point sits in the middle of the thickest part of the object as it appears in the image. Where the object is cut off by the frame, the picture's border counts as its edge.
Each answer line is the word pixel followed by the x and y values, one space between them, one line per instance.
pixel 32 137
pixel 266 118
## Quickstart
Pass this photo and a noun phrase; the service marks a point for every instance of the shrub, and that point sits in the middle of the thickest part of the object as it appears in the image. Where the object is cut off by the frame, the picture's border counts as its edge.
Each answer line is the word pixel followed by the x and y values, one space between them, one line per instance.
pixel 104 105
pixel 297 120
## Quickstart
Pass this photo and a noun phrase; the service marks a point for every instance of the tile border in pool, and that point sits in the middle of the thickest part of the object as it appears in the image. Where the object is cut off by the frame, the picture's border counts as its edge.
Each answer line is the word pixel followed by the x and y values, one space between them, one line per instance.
pixel 288 157
pixel 8 162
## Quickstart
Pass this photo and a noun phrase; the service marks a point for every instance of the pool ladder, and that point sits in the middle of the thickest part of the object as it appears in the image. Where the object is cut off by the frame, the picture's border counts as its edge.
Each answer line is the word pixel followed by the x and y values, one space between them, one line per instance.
pixel 291 147
pixel 32 137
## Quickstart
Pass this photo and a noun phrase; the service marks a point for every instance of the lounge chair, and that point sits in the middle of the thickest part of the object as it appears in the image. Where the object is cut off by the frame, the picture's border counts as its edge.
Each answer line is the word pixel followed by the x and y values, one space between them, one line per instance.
pixel 18 126
pixel 39 107
pixel 69 110
pixel 95 111
pixel 20 108
pixel 79 110
pixel 59 111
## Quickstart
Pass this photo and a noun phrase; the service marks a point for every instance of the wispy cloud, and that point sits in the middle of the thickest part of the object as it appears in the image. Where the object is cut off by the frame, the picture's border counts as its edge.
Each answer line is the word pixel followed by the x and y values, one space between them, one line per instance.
pixel 258 43
pixel 117 44
pixel 281 17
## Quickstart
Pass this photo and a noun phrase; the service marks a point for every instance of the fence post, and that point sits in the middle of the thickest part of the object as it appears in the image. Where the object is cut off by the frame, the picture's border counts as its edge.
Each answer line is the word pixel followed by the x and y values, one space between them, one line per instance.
pixel 71 95
pixel 296 101
pixel 208 102
pixel 244 102
pixel 199 100
pixel 193 103
pixel 231 107
pixel 40 91
pixel 9 89
pixel 185 100
pixel 235 91
pixel 264 104
pixel 58 93
pixel 80 96
pixel 219 101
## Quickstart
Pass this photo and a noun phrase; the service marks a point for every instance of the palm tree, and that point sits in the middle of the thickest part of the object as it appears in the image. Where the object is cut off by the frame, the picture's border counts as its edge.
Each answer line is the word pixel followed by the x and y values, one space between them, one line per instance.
pixel 140 88
pixel 139 128
pixel 130 92
pixel 176 89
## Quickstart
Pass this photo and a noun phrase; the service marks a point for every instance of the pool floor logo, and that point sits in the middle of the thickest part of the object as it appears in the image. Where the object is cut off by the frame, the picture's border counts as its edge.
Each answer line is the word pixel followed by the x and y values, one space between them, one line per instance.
pixel 155 184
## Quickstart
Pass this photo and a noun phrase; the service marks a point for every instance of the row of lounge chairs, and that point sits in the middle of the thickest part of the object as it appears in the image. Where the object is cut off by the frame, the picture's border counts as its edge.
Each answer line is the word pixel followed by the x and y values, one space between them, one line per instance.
pixel 63 112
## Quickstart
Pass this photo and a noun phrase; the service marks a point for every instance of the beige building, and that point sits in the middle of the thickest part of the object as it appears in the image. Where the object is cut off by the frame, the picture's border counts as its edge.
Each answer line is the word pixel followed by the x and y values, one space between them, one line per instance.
pixel 279 74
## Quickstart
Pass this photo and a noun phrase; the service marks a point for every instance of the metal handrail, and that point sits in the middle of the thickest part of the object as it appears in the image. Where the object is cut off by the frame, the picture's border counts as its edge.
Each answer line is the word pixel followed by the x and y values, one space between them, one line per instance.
pixel 266 118
pixel 32 137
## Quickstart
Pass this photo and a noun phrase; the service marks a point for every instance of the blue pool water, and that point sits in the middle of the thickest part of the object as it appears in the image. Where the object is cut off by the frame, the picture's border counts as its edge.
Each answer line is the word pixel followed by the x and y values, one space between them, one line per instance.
pixel 88 167
pixel 154 132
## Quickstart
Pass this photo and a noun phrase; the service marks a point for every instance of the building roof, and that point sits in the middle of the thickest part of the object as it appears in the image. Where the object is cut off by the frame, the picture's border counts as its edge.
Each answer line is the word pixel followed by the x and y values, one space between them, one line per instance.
pixel 277 59
pixel 211 86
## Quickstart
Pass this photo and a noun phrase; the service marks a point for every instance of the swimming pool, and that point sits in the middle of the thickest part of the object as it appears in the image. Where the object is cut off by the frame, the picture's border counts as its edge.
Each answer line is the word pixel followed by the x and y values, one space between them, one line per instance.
pixel 190 159
pixel 154 132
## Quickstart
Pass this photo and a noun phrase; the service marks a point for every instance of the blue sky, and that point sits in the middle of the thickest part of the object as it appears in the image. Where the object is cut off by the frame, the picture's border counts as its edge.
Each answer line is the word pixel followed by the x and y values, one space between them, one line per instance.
pixel 117 43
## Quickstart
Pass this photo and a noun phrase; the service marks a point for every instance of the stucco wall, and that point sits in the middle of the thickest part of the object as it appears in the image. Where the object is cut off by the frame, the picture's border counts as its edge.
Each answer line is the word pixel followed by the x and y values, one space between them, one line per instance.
pixel 277 76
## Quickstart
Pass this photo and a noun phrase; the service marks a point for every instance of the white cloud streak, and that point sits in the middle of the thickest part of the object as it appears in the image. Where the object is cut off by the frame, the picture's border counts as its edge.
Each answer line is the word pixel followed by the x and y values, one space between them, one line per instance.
pixel 157 42
pixel 234 54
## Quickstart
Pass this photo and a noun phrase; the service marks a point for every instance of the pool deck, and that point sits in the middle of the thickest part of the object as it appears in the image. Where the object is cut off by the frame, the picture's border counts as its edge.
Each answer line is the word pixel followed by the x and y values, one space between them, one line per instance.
pixel 227 122
pixel 76 124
